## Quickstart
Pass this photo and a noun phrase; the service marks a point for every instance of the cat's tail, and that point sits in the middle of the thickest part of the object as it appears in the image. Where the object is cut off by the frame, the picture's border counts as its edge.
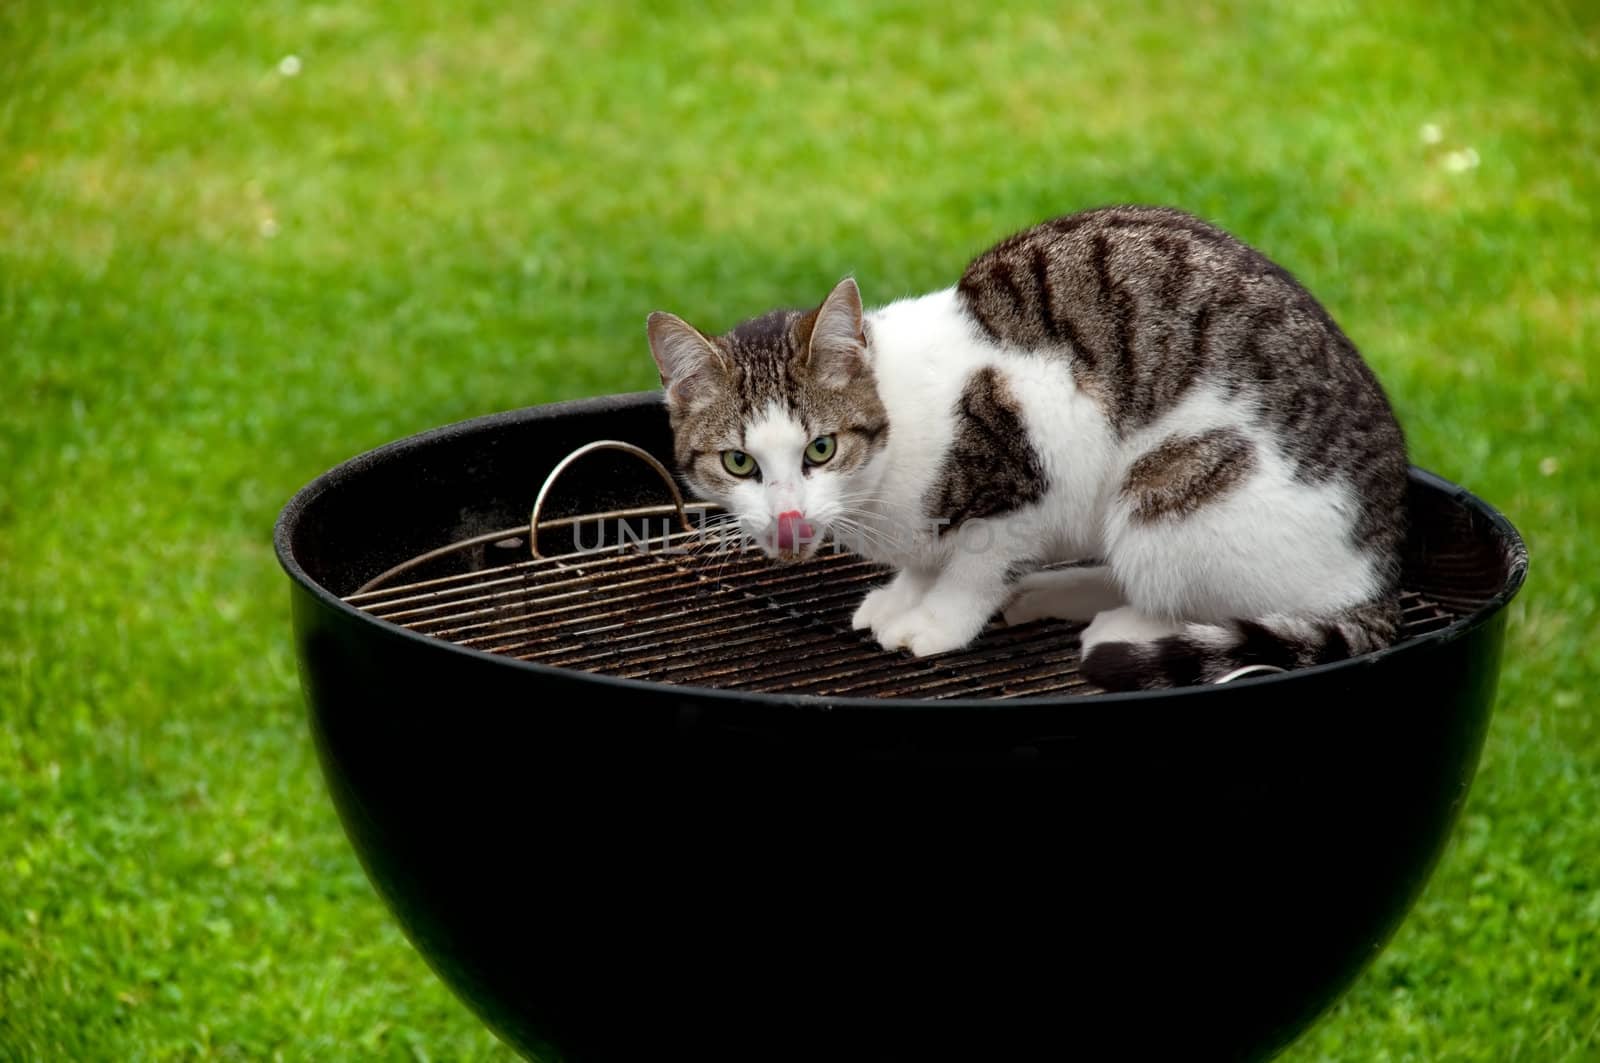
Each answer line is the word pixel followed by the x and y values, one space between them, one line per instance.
pixel 1204 653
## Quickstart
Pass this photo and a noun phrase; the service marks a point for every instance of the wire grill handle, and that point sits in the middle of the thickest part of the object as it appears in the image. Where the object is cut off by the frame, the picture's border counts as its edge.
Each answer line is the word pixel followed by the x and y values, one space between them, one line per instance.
pixel 590 448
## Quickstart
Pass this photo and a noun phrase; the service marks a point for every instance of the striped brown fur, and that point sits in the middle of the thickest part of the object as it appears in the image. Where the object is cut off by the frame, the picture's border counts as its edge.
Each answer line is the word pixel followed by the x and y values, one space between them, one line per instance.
pixel 1148 302
pixel 991 467
pixel 1183 473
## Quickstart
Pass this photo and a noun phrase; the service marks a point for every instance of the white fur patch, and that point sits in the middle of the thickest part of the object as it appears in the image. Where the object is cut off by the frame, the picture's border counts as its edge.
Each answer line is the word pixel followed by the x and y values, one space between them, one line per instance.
pixel 1269 544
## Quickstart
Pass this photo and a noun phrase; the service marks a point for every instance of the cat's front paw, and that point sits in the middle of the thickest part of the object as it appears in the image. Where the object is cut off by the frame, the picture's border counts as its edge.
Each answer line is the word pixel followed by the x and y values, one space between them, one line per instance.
pixel 925 631
pixel 889 601
pixel 874 608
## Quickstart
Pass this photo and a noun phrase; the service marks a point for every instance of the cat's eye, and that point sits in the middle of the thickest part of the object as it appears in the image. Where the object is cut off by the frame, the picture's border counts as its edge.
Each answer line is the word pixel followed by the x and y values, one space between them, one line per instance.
pixel 738 462
pixel 820 450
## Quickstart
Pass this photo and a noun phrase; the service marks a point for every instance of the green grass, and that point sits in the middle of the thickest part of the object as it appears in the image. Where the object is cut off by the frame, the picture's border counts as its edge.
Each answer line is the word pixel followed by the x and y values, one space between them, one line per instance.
pixel 217 280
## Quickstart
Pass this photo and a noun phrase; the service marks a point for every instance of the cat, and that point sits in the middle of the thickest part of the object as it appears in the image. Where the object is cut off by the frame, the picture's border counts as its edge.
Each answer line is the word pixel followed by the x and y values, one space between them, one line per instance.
pixel 1131 385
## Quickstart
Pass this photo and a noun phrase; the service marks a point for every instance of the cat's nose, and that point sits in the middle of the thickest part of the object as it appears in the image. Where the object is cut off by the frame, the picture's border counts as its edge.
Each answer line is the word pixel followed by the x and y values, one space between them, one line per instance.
pixel 793 530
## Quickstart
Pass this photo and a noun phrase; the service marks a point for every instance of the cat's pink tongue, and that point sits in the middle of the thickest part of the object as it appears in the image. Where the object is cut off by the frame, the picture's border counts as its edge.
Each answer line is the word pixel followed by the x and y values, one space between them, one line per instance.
pixel 793 530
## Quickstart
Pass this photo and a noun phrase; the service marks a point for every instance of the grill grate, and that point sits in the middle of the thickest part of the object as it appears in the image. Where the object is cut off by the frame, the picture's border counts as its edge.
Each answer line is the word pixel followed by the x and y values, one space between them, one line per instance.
pixel 679 609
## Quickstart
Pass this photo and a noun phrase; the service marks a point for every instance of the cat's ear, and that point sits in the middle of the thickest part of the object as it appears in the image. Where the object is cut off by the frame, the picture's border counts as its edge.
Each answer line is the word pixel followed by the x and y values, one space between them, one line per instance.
pixel 838 346
pixel 688 362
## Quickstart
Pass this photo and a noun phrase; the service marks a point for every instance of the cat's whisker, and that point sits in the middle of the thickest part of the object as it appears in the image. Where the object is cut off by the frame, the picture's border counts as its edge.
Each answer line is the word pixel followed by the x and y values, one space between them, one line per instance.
pixel 722 535
pixel 852 501
pixel 856 539
pixel 864 532
pixel 715 538
pixel 717 534
pixel 717 544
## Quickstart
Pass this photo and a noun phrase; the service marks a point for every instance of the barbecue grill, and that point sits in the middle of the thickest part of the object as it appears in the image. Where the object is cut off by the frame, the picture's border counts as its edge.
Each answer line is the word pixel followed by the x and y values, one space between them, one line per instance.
pixel 636 792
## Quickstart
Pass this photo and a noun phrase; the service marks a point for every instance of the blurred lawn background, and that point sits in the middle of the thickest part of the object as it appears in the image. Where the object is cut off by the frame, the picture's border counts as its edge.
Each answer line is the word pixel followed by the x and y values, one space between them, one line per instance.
pixel 242 242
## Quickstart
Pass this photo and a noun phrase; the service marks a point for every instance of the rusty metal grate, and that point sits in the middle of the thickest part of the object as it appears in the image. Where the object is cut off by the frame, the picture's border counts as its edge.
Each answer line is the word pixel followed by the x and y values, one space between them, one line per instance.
pixel 693 608
pixel 736 621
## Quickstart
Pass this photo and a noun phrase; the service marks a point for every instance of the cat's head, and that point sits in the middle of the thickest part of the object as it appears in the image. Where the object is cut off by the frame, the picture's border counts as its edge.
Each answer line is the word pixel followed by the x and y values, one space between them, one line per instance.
pixel 779 419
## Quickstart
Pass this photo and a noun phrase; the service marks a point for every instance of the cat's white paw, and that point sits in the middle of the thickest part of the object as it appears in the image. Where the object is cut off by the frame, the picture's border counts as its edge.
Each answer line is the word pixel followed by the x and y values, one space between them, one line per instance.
pixel 887 602
pixel 874 608
pixel 926 631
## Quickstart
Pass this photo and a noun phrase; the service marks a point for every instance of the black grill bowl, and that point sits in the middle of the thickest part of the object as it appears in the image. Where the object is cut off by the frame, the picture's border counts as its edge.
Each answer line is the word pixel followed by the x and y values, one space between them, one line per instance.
pixel 607 869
